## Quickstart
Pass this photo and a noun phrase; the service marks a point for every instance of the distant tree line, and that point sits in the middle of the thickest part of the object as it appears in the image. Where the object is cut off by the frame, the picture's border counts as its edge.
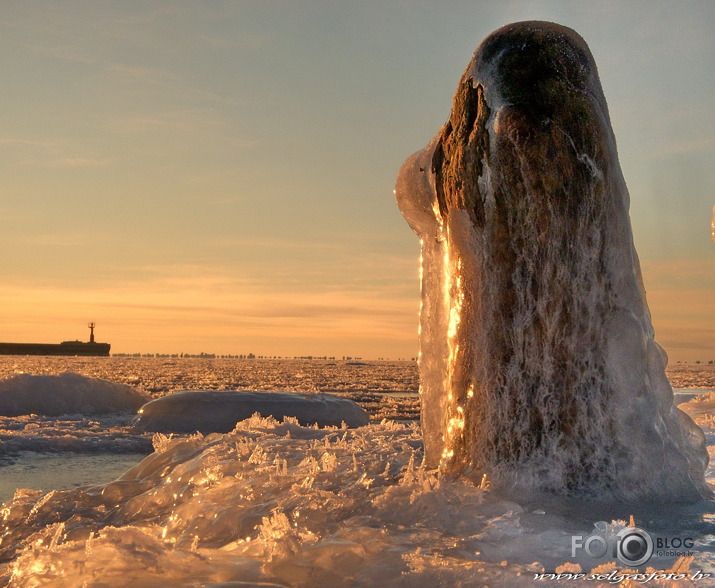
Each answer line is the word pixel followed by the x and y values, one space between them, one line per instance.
pixel 203 355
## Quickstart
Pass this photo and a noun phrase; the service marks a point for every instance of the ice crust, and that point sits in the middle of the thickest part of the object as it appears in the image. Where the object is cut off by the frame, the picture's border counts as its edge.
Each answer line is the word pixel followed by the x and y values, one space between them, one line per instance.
pixel 67 393
pixel 278 502
pixel 71 434
pixel 327 507
pixel 538 363
pixel 218 412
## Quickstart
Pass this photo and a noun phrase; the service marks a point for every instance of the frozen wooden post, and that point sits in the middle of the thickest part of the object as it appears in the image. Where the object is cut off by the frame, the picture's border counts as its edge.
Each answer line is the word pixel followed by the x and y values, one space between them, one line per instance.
pixel 538 363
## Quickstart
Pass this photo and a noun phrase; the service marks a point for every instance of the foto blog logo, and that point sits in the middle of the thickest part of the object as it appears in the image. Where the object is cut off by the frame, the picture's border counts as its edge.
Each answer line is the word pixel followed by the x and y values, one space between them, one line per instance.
pixel 632 546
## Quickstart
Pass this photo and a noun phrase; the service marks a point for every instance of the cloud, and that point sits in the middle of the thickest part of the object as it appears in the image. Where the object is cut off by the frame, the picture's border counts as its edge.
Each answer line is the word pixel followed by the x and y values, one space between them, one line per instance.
pixel 682 274
pixel 688 147
pixel 70 54
pixel 140 73
pixel 236 241
pixel 54 239
pixel 6 215
pixel 79 162
pixel 44 144
pixel 190 123
pixel 682 306
pixel 251 41
pixel 52 153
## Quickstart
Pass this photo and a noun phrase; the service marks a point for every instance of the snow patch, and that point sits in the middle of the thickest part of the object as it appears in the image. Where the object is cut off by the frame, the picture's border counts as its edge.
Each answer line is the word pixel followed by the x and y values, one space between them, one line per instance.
pixel 67 393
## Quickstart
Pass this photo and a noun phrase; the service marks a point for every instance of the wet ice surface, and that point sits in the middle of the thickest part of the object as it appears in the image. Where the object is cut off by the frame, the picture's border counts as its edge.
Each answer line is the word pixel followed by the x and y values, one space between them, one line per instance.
pixel 298 506
pixel 49 471
pixel 35 450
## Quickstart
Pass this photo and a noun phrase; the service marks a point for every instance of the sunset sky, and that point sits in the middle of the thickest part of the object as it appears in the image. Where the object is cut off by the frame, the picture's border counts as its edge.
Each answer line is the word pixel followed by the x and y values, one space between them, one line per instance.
pixel 217 176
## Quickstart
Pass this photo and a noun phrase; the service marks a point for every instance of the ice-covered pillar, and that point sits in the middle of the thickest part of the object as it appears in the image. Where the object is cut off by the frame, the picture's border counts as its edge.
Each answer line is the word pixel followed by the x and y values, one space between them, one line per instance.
pixel 538 363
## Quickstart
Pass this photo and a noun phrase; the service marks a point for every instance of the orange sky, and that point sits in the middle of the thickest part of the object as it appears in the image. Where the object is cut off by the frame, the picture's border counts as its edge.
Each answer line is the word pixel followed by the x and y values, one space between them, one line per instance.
pixel 682 306
pixel 218 176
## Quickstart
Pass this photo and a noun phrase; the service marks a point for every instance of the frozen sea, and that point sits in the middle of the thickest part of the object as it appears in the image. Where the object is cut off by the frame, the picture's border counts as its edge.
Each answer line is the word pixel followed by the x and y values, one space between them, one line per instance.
pixel 90 502
pixel 49 453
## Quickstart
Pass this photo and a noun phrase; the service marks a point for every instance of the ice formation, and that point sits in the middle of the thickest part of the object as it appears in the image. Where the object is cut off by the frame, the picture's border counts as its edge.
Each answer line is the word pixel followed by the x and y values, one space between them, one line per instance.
pixel 277 502
pixel 67 393
pixel 306 507
pixel 538 362
pixel 218 412
pixel 72 433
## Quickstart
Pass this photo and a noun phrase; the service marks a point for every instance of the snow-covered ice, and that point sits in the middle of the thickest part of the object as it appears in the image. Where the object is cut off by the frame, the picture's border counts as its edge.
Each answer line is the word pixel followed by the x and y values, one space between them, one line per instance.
pixel 386 389
pixel 71 433
pixel 218 412
pixel 67 393
pixel 300 506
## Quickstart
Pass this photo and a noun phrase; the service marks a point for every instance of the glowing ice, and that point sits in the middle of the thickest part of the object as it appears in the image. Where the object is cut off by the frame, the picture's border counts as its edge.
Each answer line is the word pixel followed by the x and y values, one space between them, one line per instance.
pixel 538 362
pixel 268 502
pixel 304 507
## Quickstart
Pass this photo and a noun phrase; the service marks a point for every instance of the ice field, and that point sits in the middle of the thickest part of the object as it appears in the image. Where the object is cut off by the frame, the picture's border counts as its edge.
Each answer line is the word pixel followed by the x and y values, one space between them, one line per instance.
pixel 283 504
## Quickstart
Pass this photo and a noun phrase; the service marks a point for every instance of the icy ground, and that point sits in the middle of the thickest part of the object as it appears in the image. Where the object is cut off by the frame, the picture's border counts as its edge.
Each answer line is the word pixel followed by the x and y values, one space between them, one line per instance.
pixel 296 506
pixel 386 389
pixel 300 506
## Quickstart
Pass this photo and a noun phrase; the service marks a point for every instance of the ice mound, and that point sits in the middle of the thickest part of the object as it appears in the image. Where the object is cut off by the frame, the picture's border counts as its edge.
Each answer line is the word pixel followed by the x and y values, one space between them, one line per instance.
pixel 219 411
pixel 67 393
pixel 274 502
